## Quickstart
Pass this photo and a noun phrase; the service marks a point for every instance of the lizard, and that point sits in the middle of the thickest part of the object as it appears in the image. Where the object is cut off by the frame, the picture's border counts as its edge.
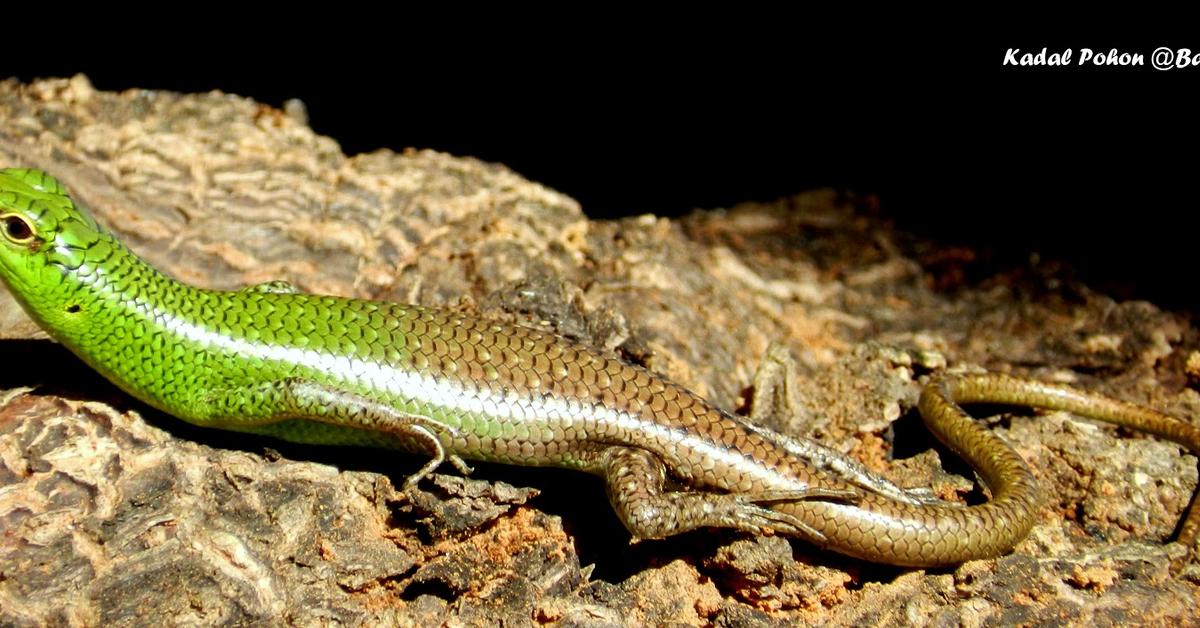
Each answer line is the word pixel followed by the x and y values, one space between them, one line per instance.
pixel 268 359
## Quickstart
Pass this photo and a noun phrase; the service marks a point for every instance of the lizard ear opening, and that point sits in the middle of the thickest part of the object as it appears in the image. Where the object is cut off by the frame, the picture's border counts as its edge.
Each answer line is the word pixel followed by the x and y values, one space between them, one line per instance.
pixel 17 229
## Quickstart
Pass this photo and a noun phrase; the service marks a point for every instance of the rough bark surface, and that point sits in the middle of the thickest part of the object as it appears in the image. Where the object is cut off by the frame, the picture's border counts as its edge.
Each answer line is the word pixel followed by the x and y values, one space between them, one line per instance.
pixel 113 514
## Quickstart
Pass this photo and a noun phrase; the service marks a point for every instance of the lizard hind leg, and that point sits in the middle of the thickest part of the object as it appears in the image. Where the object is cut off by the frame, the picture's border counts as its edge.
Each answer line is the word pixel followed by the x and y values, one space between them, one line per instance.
pixel 635 480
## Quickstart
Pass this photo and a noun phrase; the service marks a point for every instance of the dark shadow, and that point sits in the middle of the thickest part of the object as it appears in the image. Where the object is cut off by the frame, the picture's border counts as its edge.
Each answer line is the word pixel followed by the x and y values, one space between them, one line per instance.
pixel 910 437
pixel 578 498
pixel 435 587
pixel 52 369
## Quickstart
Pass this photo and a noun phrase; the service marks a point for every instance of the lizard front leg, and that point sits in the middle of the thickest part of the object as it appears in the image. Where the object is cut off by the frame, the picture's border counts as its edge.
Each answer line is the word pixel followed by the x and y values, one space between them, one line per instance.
pixel 266 407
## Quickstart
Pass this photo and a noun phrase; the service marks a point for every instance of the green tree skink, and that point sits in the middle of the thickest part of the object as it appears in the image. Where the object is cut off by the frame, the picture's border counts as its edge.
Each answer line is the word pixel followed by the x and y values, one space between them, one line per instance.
pixel 319 369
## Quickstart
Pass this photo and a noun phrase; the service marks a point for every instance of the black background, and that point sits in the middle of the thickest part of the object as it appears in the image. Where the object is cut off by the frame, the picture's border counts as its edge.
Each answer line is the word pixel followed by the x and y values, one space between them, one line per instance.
pixel 1094 166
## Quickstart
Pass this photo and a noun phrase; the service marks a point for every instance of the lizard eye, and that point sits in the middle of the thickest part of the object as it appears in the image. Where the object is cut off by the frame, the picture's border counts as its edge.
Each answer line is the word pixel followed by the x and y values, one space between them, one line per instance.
pixel 17 229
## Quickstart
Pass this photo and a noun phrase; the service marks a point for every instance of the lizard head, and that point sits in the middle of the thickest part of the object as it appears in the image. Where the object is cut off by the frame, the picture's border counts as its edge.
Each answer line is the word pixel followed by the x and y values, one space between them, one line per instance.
pixel 47 242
